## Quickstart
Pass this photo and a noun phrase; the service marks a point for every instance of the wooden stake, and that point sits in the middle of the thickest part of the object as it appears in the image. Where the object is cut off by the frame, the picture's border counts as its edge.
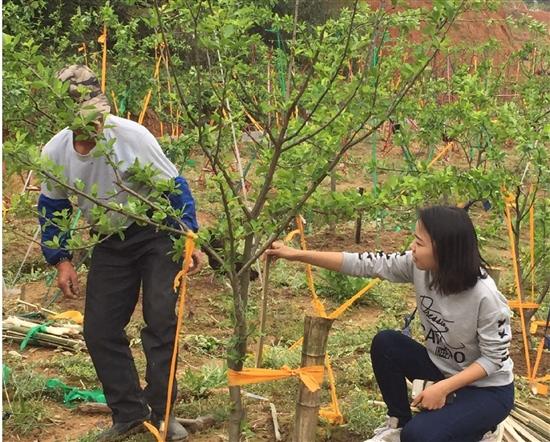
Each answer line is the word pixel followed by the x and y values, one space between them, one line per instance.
pixel 316 330
pixel 359 220
pixel 104 60
pixel 448 79
pixel 263 313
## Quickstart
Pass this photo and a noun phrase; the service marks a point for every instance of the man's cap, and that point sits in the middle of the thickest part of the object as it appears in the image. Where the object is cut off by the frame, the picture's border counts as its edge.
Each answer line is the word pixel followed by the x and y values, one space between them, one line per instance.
pixel 84 89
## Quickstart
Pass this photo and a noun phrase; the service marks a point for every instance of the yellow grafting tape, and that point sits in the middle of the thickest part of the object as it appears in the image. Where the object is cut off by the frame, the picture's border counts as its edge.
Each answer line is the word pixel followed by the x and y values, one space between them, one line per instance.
pixel 508 200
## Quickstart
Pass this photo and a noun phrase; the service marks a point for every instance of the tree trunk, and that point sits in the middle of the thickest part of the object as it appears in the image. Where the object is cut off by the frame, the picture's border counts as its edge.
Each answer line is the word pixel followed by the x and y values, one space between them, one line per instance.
pixel 237 350
pixel 316 332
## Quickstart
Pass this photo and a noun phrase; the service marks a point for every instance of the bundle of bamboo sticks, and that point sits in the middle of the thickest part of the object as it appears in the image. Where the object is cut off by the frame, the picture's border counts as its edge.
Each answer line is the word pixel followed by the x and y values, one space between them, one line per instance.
pixel 525 424
pixel 67 336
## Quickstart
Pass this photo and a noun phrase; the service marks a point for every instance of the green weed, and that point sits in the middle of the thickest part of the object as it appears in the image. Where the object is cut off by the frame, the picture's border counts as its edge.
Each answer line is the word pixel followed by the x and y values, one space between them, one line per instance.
pixel 208 345
pixel 217 405
pixel 26 391
pixel 197 384
pixel 362 416
pixel 339 287
pixel 358 373
pixel 275 357
pixel 77 367
pixel 26 416
pixel 284 274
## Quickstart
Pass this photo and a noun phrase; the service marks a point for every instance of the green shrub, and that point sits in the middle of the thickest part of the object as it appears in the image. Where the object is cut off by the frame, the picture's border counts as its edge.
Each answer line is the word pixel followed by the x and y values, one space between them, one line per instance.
pixel 197 384
pixel 361 414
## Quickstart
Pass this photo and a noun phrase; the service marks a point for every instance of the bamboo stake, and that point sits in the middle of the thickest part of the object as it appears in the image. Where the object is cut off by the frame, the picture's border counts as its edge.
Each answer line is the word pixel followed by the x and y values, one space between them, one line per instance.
pixel 113 96
pixel 104 60
pixel 532 243
pixel 316 331
pixel 169 86
pixel 275 422
pixel 359 219
pixel 83 49
pixel 27 182
pixel 38 229
pixel 37 307
pixel 448 79
pixel 147 98
pixel 263 313
pixel 159 49
pixel 518 282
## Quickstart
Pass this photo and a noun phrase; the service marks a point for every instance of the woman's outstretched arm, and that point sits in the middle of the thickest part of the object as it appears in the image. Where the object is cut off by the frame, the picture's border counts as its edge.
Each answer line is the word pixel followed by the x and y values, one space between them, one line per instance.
pixel 327 260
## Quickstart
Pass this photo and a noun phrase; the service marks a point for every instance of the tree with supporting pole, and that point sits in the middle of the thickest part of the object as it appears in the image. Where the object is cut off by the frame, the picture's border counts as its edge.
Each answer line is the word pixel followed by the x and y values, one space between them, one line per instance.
pixel 304 123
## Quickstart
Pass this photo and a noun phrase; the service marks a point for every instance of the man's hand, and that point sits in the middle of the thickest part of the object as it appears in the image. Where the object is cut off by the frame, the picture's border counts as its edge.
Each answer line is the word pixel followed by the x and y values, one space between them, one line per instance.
pixel 279 250
pixel 196 263
pixel 431 398
pixel 67 279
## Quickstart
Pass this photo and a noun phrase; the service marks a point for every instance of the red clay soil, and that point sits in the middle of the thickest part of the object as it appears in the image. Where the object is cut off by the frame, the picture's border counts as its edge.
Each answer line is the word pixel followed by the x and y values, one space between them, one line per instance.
pixel 469 31
pixel 474 28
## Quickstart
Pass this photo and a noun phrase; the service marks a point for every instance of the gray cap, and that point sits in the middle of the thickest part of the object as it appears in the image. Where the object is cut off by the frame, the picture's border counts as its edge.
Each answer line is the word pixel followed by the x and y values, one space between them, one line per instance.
pixel 92 100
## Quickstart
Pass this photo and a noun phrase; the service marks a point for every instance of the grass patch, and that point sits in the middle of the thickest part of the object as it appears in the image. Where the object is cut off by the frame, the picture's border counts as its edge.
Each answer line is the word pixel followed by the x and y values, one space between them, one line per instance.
pixel 77 367
pixel 26 416
pixel 362 416
pixel 289 275
pixel 217 404
pixel 275 357
pixel 194 384
pixel 202 344
pixel 24 400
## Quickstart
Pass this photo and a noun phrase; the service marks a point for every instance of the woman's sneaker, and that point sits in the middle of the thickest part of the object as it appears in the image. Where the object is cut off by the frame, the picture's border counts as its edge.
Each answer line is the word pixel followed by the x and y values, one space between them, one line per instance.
pixel 389 432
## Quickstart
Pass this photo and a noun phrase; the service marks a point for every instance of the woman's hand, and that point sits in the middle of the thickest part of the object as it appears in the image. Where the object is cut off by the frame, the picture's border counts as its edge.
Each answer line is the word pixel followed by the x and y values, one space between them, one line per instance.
pixel 279 250
pixel 432 397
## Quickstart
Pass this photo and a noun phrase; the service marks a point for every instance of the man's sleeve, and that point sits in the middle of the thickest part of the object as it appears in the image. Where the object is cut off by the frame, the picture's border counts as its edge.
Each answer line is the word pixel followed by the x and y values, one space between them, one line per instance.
pixel 183 200
pixel 47 209
pixel 148 151
pixel 394 267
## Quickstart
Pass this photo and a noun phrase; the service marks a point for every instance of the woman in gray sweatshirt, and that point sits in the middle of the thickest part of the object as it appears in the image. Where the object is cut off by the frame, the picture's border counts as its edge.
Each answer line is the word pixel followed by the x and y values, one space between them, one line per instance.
pixel 466 325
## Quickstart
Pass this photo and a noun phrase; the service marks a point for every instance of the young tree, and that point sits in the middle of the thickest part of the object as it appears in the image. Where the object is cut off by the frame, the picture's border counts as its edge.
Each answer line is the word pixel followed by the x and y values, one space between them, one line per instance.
pixel 302 97
pixel 312 90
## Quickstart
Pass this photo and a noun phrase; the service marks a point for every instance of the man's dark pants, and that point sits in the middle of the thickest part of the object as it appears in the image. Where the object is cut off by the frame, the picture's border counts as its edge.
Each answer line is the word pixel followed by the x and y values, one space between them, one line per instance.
pixel 118 268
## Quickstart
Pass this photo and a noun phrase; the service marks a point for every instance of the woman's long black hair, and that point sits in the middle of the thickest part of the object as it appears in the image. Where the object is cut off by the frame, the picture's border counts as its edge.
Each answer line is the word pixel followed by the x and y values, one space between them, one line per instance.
pixel 456 249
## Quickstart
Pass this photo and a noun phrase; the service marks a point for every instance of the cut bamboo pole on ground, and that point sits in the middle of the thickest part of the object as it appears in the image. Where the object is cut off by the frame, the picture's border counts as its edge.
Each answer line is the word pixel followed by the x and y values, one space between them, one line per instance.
pixel 316 331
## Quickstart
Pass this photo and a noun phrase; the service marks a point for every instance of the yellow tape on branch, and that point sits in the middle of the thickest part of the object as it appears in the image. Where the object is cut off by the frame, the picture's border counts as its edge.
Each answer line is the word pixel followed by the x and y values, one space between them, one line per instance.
pixel 318 306
pixel 441 153
pixel 179 281
pixel 147 98
pixel 332 413
pixel 103 40
pixel 338 312
pixel 312 377
pixel 508 202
